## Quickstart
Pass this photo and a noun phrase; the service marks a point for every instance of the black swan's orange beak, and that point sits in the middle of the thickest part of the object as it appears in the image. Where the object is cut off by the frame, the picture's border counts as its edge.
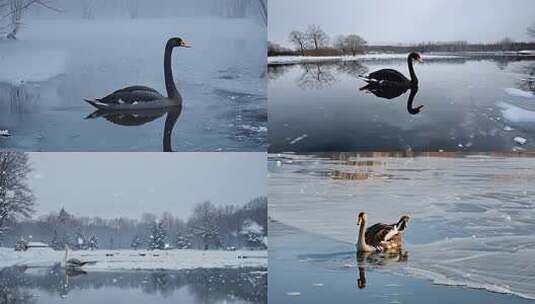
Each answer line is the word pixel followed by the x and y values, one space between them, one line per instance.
pixel 420 60
pixel 185 44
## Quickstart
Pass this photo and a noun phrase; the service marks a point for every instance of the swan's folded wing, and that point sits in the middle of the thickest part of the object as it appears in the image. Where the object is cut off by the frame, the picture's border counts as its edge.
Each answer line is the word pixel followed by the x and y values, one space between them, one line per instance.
pixel 131 95
pixel 380 233
pixel 388 74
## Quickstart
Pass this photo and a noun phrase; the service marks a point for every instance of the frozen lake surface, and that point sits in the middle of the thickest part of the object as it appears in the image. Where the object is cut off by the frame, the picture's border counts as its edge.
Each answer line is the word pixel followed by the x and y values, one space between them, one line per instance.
pixel 471 217
pixel 55 64
pixel 478 104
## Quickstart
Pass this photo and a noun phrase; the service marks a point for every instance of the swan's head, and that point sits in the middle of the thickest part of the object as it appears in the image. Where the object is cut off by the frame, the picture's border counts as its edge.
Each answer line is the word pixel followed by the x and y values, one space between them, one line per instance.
pixel 361 218
pixel 415 56
pixel 403 222
pixel 178 42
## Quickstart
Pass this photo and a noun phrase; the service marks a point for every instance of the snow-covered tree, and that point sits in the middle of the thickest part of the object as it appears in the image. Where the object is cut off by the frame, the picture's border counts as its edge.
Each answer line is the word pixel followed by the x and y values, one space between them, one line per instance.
pixel 158 237
pixel 183 241
pixel 93 242
pixel 21 245
pixel 79 241
pixel 253 233
pixel 56 243
pixel 136 242
pixel 16 198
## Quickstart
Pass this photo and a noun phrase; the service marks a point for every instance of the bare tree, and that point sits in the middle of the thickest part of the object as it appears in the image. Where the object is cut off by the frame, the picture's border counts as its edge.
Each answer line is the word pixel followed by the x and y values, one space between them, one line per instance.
pixel 133 8
pixel 352 44
pixel 13 10
pixel 88 7
pixel 299 39
pixel 531 30
pixel 16 198
pixel 263 10
pixel 317 37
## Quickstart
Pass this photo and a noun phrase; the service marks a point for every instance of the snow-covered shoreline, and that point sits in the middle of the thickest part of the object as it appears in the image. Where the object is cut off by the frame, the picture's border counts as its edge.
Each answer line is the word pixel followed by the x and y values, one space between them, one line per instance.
pixel 283 60
pixel 287 60
pixel 108 260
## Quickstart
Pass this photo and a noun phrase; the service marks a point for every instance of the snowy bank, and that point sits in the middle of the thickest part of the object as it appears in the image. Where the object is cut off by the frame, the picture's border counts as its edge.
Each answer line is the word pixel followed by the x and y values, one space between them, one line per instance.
pixel 281 60
pixel 23 65
pixel 107 260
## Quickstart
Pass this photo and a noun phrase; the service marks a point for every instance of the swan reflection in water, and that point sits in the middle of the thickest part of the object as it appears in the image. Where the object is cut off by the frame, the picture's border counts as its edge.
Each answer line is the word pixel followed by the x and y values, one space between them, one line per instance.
pixel 389 83
pixel 141 117
pixel 394 92
pixel 367 259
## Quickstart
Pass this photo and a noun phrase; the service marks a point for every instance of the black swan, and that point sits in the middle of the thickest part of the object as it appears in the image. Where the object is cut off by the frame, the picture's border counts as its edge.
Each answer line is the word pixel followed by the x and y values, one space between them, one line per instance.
pixel 141 97
pixel 393 78
pixel 380 237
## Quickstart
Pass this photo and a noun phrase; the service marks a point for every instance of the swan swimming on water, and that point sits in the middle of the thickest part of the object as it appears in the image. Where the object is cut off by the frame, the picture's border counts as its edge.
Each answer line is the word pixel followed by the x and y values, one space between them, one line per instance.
pixel 142 97
pixel 72 262
pixel 392 78
pixel 380 237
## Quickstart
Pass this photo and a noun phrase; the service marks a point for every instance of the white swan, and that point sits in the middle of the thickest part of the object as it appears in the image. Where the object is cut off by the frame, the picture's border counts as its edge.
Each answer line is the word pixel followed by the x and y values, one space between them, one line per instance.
pixel 72 262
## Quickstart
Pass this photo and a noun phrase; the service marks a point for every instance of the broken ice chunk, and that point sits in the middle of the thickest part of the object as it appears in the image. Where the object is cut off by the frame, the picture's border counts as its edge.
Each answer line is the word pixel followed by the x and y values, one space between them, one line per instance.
pixel 520 140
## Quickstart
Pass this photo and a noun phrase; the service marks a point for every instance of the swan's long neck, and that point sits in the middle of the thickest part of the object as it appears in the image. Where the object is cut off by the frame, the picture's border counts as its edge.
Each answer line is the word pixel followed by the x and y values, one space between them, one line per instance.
pixel 172 92
pixel 361 242
pixel 414 79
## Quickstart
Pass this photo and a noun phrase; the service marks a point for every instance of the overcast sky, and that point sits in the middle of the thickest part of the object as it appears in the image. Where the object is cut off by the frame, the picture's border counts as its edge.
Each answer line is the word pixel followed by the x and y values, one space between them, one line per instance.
pixel 407 21
pixel 129 184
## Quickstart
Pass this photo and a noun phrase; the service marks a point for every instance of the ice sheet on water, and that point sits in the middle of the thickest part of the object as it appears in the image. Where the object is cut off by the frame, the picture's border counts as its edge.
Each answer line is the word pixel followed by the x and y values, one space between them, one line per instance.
pixel 516 114
pixel 519 93
pixel 471 218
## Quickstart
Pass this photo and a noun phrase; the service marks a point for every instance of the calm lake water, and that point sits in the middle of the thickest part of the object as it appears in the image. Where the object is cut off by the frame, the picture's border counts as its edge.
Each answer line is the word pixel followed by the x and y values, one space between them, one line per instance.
pixel 469 105
pixel 205 286
pixel 55 64
pixel 472 216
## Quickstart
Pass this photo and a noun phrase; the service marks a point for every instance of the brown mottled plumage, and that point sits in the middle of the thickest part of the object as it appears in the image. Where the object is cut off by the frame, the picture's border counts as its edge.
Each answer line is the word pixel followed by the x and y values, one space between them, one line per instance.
pixel 380 237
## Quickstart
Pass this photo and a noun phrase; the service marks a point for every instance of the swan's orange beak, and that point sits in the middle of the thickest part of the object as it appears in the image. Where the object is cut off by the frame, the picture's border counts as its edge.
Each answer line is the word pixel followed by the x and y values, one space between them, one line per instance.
pixel 185 44
pixel 420 60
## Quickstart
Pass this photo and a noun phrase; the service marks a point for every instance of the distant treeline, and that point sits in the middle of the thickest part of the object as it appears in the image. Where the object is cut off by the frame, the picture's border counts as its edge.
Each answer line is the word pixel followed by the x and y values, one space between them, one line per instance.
pixel 209 227
pixel 277 50
pixel 503 46
pixel 314 41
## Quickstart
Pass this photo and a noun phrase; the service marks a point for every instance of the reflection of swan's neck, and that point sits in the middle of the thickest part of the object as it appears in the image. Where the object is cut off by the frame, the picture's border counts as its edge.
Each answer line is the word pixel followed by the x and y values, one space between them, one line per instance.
pixel 414 79
pixel 170 120
pixel 410 108
pixel 66 255
pixel 172 92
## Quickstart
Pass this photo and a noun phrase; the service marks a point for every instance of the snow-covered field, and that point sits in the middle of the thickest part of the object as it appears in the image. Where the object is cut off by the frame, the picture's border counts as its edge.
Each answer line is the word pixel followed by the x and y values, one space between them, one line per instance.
pixel 280 60
pixel 107 260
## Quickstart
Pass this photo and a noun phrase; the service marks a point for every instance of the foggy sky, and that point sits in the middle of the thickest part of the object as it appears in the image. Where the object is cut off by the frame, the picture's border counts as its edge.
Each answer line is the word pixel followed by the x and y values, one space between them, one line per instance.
pixel 408 21
pixel 128 184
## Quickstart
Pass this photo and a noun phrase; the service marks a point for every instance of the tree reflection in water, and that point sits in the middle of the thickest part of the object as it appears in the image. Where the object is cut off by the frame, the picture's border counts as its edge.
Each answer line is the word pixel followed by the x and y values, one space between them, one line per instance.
pixel 17 284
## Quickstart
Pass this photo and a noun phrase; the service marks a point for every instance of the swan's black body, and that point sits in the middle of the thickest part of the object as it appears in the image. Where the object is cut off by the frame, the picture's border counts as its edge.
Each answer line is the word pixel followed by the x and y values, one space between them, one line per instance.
pixel 389 84
pixel 142 97
pixel 394 79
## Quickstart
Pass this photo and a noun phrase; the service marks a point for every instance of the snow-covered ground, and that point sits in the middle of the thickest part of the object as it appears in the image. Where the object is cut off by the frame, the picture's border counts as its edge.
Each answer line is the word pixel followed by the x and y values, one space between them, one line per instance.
pixel 280 60
pixel 107 260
